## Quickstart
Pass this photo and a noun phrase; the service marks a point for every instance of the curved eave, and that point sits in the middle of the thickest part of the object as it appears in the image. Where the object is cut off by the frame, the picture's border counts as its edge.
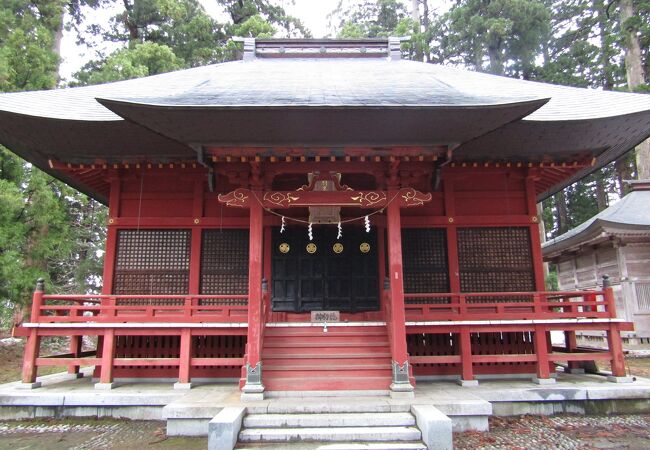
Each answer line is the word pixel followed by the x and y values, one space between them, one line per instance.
pixel 596 231
pixel 540 141
pixel 39 139
pixel 364 125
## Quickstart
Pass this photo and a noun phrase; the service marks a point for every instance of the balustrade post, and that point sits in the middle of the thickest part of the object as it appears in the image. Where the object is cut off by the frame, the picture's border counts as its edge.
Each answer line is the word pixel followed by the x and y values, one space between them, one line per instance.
pixel 401 385
pixel 37 300
pixel 608 293
pixel 33 344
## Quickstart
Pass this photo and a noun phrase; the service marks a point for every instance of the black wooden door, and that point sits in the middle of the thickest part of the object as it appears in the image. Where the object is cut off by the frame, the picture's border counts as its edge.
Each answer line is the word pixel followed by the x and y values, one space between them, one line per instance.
pixel 326 274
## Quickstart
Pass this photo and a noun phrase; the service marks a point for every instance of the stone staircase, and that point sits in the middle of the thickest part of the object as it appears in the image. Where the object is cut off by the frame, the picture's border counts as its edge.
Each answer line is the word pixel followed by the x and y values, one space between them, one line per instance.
pixel 318 359
pixel 341 430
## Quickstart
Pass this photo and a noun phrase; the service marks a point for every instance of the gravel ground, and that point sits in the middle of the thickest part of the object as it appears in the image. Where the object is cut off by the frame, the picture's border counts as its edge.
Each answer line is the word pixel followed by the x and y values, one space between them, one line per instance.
pixel 560 432
pixel 524 433
pixel 88 434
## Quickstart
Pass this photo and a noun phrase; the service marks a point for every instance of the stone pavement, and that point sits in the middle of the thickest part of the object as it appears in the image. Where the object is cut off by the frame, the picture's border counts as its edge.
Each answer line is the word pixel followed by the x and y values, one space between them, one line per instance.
pixel 524 432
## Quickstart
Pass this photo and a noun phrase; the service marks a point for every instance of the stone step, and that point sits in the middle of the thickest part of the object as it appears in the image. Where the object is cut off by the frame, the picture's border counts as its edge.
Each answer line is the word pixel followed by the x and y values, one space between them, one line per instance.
pixel 393 445
pixel 332 434
pixel 329 420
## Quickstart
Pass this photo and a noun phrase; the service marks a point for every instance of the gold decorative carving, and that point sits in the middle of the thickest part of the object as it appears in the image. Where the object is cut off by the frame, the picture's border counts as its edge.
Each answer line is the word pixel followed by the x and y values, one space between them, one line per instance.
pixel 368 199
pixel 237 198
pixel 311 248
pixel 338 248
pixel 411 197
pixel 364 247
pixel 280 199
pixel 284 247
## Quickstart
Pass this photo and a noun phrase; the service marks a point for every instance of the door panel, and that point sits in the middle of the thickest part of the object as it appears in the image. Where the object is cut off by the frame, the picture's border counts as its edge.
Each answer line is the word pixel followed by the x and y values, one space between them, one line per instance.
pixel 324 279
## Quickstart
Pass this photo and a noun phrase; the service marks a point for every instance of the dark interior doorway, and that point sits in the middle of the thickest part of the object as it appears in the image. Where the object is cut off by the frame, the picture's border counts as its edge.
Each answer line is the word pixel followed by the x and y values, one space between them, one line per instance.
pixel 332 275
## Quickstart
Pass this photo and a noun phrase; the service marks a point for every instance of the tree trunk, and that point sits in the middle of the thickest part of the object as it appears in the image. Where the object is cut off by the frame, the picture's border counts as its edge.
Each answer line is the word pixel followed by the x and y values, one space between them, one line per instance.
pixel 601 194
pixel 562 214
pixel 605 47
pixel 415 10
pixel 635 77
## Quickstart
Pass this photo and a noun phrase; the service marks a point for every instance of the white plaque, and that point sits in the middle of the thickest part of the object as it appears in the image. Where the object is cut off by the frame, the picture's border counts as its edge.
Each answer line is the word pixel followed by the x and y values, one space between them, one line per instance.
pixel 325 316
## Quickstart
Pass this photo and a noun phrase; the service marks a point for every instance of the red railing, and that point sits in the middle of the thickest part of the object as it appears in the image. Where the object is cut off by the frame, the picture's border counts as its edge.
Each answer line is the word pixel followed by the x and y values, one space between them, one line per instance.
pixel 510 305
pixel 139 308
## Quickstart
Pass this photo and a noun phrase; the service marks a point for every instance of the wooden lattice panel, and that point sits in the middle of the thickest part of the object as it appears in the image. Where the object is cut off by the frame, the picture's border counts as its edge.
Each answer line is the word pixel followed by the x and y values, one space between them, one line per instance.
pixel 152 262
pixel 169 347
pixel 498 343
pixel 495 259
pixel 424 258
pixel 224 265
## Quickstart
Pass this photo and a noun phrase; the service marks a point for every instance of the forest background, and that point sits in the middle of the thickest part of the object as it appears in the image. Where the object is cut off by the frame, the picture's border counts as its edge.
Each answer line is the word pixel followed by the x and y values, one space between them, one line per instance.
pixel 49 230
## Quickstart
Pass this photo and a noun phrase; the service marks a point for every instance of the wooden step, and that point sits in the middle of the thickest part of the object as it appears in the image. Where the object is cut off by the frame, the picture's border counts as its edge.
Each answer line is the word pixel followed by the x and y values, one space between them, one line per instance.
pixel 343 362
pixel 330 374
pixel 331 331
pixel 323 343
pixel 324 352
pixel 359 340
pixel 326 383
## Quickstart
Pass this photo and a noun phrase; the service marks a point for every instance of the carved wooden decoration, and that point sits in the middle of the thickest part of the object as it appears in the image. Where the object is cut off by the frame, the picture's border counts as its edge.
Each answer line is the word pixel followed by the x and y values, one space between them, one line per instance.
pixel 406 197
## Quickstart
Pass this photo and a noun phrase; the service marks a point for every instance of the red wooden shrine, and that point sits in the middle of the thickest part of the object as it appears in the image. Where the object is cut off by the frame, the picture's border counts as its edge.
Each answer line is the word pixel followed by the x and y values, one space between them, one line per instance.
pixel 215 259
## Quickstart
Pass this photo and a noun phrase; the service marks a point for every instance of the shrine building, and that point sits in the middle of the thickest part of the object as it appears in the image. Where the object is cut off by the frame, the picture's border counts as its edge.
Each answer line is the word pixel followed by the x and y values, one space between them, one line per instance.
pixel 322 215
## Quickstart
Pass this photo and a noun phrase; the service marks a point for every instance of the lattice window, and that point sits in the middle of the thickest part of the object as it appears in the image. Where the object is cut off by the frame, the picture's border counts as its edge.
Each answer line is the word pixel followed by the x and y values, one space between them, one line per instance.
pixel 495 260
pixel 643 295
pixel 152 262
pixel 424 259
pixel 224 265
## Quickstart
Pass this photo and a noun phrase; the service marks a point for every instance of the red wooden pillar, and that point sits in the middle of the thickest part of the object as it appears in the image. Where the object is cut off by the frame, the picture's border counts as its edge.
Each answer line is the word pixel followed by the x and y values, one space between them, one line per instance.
pixel 535 239
pixel 467 369
pixel 254 387
pixel 571 346
pixel 184 367
pixel 381 251
pixel 108 355
pixel 541 351
pixel 616 349
pixel 266 297
pixel 75 351
pixel 401 381
pixel 33 345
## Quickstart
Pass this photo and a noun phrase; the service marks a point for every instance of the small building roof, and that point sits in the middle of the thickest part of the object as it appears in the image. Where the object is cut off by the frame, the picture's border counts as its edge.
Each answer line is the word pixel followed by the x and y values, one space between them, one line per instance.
pixel 320 93
pixel 628 217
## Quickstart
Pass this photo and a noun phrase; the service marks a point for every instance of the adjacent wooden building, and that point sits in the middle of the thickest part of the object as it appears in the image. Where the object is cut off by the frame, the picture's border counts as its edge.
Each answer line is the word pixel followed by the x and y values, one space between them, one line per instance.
pixel 322 216
pixel 614 243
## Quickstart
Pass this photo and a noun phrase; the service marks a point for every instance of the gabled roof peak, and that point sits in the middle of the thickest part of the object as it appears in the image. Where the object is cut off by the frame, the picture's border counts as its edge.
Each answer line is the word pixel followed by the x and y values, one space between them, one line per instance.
pixel 388 47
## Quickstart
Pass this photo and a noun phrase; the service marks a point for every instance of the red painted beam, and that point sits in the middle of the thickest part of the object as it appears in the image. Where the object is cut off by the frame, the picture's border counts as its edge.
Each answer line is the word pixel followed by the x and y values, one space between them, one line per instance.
pixel 244 198
pixel 588 356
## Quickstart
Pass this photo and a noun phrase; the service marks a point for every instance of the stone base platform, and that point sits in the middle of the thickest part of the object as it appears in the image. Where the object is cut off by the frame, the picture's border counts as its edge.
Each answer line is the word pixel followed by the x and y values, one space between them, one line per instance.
pixel 188 412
